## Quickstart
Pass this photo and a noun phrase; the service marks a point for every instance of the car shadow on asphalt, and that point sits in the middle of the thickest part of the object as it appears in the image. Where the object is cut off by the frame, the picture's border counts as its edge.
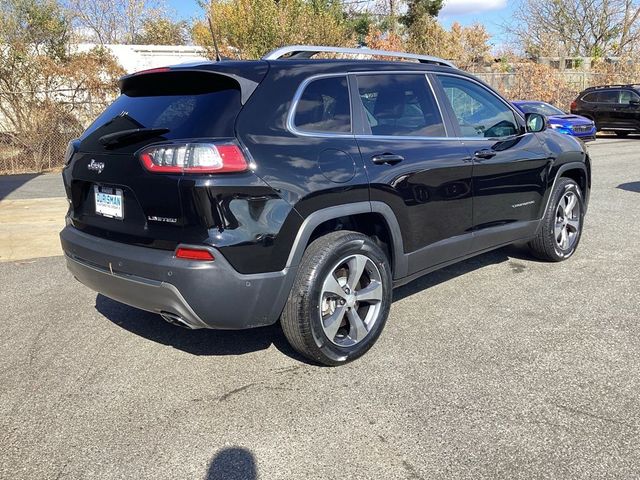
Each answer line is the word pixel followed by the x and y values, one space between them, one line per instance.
pixel 9 183
pixel 510 253
pixel 232 463
pixel 238 342
pixel 630 187
pixel 196 342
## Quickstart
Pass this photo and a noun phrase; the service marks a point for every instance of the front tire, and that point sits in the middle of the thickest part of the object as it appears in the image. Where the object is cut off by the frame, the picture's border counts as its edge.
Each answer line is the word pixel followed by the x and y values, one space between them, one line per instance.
pixel 340 300
pixel 561 227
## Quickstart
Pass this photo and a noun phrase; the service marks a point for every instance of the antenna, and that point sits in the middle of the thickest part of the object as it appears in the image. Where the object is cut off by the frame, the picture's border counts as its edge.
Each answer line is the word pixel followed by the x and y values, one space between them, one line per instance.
pixel 213 36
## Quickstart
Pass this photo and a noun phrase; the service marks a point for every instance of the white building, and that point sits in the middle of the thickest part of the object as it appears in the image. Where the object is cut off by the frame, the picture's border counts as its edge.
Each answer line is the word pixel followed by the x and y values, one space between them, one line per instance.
pixel 134 58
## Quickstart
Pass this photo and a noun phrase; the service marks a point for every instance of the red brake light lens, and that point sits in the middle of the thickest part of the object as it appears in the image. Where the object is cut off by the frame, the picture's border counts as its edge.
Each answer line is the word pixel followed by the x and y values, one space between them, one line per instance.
pixel 194 158
pixel 153 70
pixel 194 254
pixel 573 105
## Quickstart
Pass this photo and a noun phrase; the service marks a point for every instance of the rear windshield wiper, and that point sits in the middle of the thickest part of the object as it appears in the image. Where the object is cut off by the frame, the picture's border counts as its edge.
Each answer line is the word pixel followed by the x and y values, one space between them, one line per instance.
pixel 124 137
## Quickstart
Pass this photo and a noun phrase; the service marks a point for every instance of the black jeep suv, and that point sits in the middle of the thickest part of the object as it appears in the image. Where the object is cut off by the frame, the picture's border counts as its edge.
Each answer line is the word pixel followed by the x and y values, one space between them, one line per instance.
pixel 612 107
pixel 233 194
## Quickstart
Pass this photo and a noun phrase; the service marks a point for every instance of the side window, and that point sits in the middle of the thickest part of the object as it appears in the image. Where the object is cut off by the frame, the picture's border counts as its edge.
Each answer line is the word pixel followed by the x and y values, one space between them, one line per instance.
pixel 626 96
pixel 400 105
pixel 478 111
pixel 324 106
pixel 610 96
pixel 591 97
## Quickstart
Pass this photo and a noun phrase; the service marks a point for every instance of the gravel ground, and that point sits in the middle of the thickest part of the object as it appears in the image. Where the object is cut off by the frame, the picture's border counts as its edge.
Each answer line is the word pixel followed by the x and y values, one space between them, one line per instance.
pixel 498 367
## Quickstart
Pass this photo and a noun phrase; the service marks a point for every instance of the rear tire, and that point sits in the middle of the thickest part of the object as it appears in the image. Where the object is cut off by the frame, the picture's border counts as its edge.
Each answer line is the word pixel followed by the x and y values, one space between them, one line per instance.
pixel 561 227
pixel 340 299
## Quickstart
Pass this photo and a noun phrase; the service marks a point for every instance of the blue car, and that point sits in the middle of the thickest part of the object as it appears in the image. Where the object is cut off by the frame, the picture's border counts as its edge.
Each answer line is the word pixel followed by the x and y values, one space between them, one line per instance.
pixel 561 122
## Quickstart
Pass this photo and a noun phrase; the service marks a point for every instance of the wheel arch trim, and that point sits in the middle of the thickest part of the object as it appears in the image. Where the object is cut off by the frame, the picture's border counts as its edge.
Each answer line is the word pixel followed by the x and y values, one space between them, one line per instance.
pixel 565 167
pixel 331 213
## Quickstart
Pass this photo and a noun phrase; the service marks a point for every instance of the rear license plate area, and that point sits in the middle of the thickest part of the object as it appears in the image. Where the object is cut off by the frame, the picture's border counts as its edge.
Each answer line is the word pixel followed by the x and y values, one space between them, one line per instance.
pixel 109 201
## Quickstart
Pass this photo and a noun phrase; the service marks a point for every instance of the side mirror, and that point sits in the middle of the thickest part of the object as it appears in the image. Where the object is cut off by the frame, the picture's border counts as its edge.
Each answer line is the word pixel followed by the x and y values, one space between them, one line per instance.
pixel 634 102
pixel 535 122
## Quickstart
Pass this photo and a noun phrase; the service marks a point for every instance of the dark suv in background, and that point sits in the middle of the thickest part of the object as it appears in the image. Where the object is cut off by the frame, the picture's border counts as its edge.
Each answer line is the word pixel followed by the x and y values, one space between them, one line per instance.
pixel 612 107
pixel 234 194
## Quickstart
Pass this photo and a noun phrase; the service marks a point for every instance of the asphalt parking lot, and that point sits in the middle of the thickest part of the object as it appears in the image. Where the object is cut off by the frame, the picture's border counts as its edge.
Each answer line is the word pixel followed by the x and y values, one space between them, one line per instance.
pixel 498 367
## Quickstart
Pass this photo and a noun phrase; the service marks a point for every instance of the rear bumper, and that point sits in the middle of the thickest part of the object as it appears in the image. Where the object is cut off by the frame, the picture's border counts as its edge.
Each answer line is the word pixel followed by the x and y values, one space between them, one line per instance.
pixel 189 293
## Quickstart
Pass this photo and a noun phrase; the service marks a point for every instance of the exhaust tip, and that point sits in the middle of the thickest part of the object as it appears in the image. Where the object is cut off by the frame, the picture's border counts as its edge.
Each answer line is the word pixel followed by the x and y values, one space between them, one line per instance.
pixel 174 319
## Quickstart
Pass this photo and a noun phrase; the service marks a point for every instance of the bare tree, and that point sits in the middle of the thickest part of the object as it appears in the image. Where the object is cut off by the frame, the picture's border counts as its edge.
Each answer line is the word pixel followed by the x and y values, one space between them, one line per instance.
pixel 113 21
pixel 592 28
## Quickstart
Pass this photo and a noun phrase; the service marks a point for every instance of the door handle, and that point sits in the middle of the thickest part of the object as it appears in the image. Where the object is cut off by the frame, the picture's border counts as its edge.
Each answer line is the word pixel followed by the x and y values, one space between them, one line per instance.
pixel 485 154
pixel 388 158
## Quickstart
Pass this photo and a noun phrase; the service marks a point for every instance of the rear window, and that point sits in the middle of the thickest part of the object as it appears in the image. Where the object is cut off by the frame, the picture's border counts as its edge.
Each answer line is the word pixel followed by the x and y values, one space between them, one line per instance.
pixel 324 106
pixel 608 96
pixel 188 112
pixel 400 105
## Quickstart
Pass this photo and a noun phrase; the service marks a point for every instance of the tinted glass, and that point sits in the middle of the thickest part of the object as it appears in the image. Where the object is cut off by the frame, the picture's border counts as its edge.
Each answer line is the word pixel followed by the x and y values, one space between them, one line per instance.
pixel 324 106
pixel 590 97
pixel 188 115
pixel 400 105
pixel 479 112
pixel 626 96
pixel 208 115
pixel 608 97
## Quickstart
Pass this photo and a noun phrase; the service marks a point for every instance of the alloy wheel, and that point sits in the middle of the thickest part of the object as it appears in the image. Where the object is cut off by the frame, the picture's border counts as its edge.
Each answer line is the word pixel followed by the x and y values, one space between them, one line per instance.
pixel 351 300
pixel 567 224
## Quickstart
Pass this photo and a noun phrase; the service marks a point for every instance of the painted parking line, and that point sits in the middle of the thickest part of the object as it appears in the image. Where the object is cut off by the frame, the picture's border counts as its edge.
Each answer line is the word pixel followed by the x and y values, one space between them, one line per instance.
pixel 29 228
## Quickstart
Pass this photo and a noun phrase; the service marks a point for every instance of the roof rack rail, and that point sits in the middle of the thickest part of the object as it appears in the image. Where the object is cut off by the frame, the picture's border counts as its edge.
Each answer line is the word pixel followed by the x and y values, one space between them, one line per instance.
pixel 308 51
pixel 596 87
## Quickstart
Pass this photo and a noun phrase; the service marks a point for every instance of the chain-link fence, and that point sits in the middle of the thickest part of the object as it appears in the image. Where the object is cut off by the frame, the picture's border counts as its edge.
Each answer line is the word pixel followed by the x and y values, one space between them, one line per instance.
pixel 33 152
pixel 35 127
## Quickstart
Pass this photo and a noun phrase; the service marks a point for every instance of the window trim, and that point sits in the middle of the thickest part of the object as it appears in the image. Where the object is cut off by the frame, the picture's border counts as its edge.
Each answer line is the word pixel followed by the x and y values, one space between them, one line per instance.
pixel 617 90
pixel 445 113
pixel 584 97
pixel 291 126
pixel 519 116
pixel 356 124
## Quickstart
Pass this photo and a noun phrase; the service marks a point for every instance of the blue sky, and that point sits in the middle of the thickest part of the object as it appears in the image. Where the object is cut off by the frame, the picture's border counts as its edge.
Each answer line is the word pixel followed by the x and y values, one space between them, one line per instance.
pixel 185 8
pixel 491 13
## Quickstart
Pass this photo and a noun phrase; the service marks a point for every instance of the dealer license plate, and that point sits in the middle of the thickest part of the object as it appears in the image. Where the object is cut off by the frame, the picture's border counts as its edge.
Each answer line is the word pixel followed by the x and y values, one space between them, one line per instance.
pixel 108 201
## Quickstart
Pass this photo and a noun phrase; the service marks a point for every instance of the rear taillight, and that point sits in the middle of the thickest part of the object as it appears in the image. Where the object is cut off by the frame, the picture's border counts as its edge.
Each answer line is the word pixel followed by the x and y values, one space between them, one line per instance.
pixel 72 148
pixel 573 105
pixel 194 158
pixel 194 254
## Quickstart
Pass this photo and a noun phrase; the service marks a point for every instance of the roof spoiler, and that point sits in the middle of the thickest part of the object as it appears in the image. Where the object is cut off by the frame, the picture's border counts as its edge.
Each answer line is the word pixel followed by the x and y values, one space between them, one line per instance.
pixel 155 75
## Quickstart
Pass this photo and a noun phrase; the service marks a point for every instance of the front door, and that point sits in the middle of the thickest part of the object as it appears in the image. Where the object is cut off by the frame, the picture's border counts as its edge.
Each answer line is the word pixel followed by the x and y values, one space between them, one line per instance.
pixel 510 167
pixel 627 110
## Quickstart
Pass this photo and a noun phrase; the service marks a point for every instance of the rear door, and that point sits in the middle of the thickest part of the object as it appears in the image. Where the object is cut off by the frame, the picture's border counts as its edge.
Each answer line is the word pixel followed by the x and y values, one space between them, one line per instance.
pixel 607 101
pixel 510 167
pixel 112 194
pixel 414 166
